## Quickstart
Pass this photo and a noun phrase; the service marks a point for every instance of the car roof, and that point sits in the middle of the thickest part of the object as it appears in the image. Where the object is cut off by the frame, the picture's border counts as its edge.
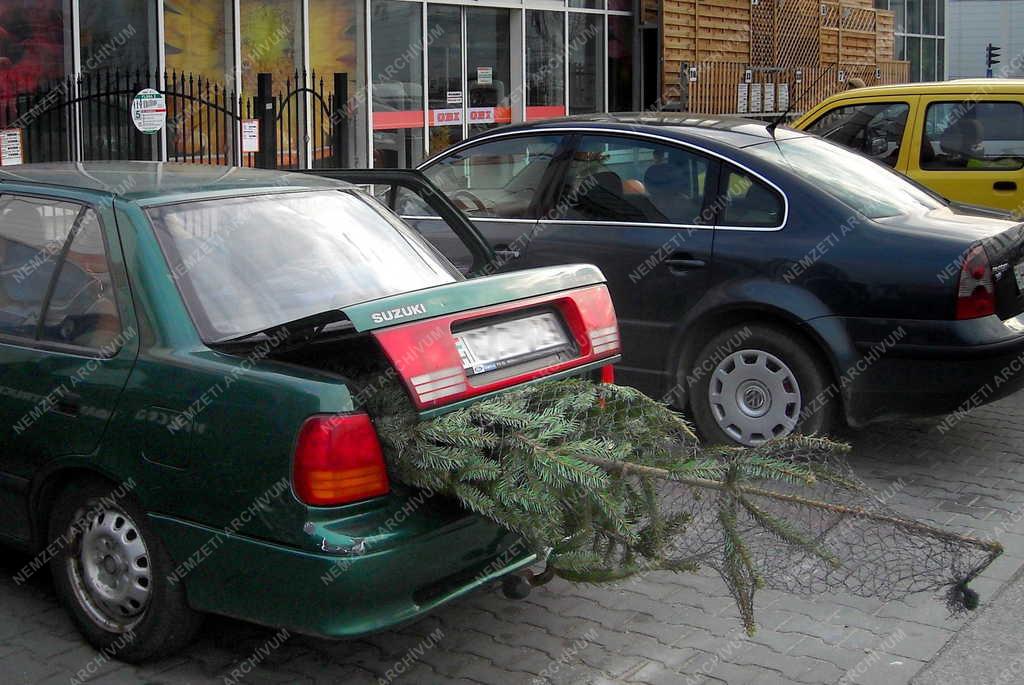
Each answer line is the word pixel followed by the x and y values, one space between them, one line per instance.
pixel 151 182
pixel 994 86
pixel 732 131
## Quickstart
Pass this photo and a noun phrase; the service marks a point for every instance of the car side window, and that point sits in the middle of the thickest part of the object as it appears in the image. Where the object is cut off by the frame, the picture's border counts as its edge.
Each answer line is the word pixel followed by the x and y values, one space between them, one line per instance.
pixel 613 178
pixel 33 232
pixel 975 136
pixel 746 202
pixel 496 179
pixel 873 128
pixel 82 310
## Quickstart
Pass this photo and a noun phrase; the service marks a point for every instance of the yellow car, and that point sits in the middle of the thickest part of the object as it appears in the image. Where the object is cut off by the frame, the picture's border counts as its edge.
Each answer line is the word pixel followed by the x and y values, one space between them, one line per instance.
pixel 963 139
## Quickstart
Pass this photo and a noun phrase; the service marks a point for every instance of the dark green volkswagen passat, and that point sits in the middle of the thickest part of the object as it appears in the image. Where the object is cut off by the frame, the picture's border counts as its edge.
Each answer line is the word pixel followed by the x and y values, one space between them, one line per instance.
pixel 179 432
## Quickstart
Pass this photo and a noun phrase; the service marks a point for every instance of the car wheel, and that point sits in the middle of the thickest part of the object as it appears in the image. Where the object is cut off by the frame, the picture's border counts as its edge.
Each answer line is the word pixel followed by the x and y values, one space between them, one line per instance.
pixel 751 384
pixel 111 574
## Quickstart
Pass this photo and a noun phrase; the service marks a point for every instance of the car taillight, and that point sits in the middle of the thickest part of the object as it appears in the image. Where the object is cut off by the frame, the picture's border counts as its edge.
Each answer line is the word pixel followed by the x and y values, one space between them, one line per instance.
pixel 976 296
pixel 338 460
pixel 425 355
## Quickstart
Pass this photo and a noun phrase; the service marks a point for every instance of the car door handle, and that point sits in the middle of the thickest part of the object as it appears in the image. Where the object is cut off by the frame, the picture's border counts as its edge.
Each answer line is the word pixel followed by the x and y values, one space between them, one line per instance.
pixel 69 403
pixel 1004 185
pixel 679 262
pixel 505 253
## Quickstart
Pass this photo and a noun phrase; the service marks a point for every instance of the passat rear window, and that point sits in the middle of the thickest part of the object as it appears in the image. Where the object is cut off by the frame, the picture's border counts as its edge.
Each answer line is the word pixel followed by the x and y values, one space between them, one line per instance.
pixel 866 186
pixel 246 264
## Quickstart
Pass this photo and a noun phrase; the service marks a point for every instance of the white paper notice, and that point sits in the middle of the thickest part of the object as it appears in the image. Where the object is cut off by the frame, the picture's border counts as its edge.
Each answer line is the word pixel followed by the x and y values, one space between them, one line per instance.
pixel 484 75
pixel 741 98
pixel 783 97
pixel 769 97
pixel 11 153
pixel 250 135
pixel 755 97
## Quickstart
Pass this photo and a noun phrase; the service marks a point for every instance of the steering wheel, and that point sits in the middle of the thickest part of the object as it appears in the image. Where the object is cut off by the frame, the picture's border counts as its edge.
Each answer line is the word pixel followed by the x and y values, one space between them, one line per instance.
pixel 463 193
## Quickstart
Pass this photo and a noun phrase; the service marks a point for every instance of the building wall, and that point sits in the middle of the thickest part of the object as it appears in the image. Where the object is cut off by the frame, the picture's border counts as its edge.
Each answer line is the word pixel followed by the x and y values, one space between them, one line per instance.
pixel 973 24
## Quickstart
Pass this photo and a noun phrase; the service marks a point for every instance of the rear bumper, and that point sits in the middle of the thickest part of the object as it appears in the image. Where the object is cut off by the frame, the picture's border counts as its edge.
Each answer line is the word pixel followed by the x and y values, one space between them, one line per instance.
pixel 910 368
pixel 337 596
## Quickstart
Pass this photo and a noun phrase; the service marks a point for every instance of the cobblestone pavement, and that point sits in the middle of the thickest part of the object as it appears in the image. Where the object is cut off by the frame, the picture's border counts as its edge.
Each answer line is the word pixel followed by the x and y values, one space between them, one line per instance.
pixel 661 629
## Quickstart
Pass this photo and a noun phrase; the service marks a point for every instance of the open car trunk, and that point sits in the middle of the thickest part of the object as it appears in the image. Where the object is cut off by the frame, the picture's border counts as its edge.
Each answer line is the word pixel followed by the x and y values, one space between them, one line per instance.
pixel 458 342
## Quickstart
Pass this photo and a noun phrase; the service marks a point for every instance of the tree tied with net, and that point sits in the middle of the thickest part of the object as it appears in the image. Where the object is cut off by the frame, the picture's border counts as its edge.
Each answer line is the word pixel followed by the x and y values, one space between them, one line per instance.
pixel 608 483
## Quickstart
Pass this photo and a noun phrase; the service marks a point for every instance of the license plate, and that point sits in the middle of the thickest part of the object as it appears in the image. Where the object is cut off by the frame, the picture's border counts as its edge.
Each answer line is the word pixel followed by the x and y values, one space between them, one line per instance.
pixel 1018 271
pixel 498 345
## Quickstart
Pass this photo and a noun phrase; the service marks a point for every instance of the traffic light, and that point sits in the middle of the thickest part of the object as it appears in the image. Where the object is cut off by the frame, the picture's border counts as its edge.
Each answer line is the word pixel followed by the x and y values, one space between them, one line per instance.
pixel 991 53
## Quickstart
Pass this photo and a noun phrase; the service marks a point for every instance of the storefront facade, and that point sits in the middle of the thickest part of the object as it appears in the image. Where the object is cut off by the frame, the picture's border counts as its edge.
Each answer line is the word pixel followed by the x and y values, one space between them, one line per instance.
pixel 420 75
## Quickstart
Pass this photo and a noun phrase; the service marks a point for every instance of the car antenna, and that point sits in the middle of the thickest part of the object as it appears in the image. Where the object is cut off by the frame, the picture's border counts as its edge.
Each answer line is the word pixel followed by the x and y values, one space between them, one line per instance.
pixel 789 106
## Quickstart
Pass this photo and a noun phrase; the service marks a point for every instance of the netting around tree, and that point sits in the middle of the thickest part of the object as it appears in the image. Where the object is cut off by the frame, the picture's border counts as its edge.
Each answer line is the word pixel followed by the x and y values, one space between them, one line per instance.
pixel 611 483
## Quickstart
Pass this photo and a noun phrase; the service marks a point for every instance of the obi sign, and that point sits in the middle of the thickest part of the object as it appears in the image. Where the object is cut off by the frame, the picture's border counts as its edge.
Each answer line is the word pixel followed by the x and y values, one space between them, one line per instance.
pixel 149 111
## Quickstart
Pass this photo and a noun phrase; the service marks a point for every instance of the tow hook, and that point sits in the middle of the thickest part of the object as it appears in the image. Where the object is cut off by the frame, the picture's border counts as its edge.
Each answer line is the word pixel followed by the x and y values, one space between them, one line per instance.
pixel 519 585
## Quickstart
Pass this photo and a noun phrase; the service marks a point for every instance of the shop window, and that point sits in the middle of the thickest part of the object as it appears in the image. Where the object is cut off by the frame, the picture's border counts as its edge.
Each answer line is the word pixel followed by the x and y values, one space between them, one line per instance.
pixel 444 76
pixel 397 66
pixel 973 136
pixel 32 44
pixel 586 63
pixel 199 39
pixel 545 64
pixel 488 67
pixel 620 63
pixel 337 45
pixel 118 34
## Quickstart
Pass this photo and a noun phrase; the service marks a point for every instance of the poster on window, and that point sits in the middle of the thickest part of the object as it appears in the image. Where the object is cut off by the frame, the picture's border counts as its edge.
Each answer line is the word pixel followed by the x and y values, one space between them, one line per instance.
pixel 769 97
pixel 446 117
pixel 482 115
pixel 755 97
pixel 484 76
pixel 11 153
pixel 783 97
pixel 741 98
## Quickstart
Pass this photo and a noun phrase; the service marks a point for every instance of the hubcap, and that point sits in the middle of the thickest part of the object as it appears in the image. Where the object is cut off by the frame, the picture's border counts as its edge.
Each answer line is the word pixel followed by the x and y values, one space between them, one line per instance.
pixel 754 397
pixel 109 567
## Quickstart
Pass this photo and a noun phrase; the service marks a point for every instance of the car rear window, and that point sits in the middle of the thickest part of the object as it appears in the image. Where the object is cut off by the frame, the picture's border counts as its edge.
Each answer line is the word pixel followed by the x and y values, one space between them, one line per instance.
pixel 866 186
pixel 246 264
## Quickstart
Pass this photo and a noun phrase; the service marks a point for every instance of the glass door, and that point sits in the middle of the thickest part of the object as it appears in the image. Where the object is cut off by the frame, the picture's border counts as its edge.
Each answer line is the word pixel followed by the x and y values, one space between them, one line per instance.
pixel 488 67
pixel 445 88
pixel 469 72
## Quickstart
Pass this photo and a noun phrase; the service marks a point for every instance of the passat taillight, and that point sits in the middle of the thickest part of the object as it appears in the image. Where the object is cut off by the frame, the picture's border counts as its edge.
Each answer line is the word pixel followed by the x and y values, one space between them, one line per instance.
pixel 976 296
pixel 338 460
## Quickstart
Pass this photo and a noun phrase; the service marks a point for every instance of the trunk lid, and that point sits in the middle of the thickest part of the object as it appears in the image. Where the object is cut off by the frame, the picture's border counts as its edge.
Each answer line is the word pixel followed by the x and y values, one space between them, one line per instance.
pixel 456 343
pixel 461 296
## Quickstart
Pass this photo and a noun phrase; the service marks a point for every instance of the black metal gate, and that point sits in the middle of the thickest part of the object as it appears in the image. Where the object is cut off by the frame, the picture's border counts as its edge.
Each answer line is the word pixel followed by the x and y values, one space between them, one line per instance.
pixel 88 118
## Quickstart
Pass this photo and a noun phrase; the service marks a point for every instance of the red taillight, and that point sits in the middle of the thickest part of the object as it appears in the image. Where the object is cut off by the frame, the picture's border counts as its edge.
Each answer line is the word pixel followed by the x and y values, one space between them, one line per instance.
pixel 424 352
pixel 976 296
pixel 338 460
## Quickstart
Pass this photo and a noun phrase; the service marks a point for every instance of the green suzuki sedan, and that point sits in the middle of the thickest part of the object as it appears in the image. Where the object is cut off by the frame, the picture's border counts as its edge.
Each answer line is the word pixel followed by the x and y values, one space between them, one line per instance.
pixel 180 431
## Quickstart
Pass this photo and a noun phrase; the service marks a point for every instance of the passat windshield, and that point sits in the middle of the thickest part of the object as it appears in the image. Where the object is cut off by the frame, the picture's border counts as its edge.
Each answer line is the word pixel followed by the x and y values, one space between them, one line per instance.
pixel 871 188
pixel 250 263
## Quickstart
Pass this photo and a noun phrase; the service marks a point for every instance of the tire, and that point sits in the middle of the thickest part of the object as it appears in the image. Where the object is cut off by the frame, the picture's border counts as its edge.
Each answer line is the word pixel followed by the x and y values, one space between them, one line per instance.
pixel 754 383
pixel 111 575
